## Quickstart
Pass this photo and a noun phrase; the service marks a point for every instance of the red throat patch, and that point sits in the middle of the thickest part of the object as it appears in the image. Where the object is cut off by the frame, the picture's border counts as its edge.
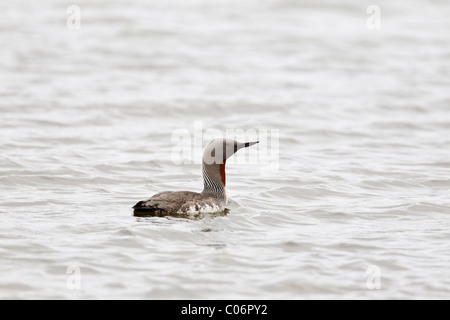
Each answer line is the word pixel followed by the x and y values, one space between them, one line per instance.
pixel 222 173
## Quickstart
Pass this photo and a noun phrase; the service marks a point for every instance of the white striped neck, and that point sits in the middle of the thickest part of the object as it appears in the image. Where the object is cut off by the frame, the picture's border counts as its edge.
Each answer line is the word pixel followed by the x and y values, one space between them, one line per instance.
pixel 214 181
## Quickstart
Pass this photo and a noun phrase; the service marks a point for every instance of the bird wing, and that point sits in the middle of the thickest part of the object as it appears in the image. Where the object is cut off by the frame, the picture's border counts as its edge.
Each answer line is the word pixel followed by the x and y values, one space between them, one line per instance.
pixel 166 202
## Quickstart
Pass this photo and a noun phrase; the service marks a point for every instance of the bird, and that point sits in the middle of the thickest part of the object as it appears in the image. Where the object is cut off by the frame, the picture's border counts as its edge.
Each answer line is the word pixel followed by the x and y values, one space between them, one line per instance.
pixel 212 199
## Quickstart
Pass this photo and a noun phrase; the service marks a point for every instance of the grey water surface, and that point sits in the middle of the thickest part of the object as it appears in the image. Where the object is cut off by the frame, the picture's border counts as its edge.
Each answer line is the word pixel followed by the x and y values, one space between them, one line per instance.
pixel 359 207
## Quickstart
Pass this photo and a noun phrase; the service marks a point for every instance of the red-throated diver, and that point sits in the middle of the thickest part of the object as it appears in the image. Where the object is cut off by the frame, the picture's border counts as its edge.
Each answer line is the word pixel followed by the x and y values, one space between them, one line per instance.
pixel 212 199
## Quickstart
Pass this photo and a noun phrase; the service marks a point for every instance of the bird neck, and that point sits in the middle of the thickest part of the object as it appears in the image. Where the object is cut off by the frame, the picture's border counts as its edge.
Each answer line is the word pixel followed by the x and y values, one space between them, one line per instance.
pixel 214 180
